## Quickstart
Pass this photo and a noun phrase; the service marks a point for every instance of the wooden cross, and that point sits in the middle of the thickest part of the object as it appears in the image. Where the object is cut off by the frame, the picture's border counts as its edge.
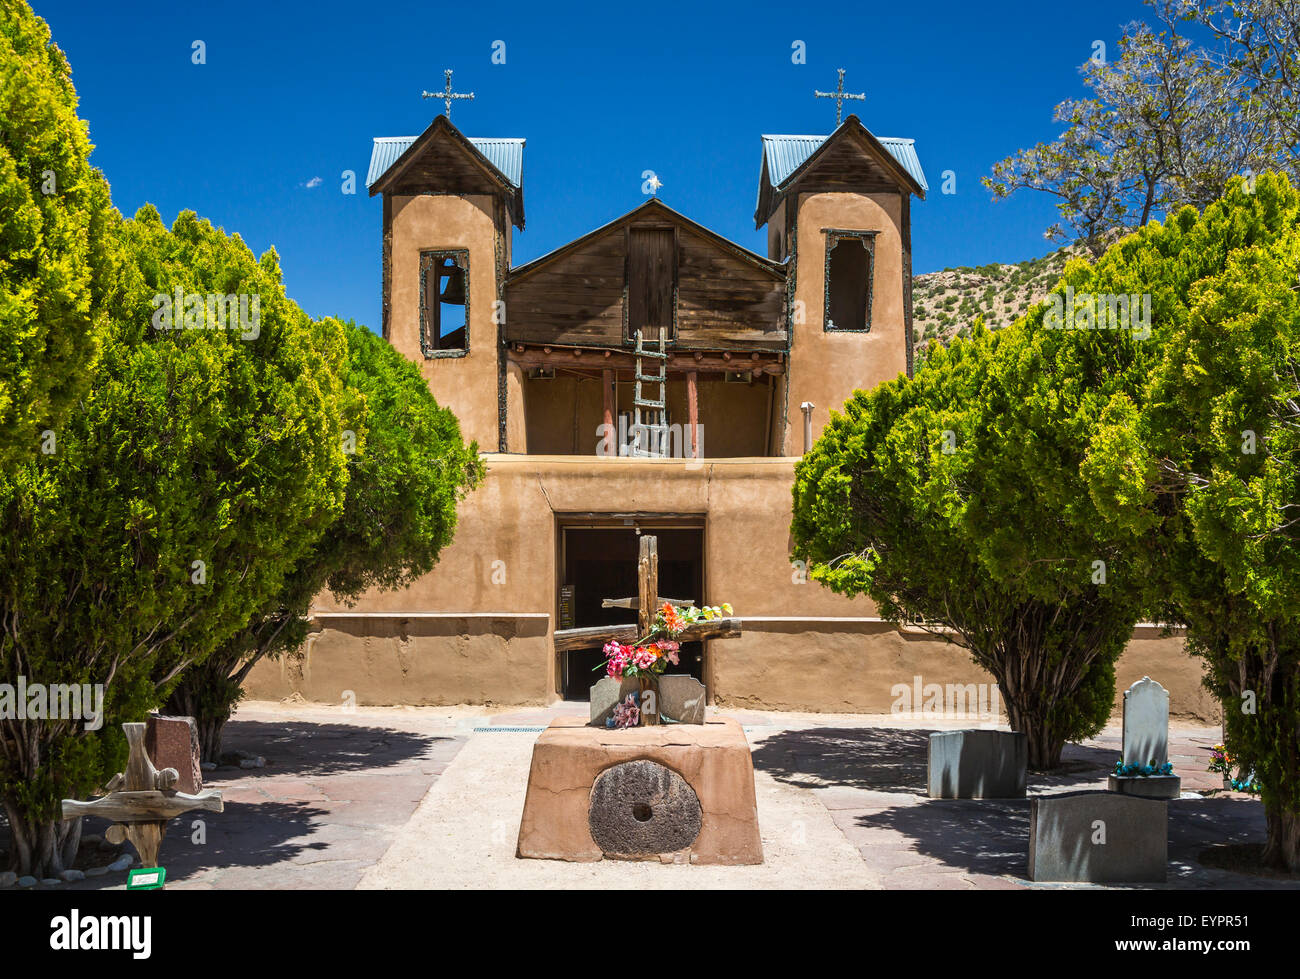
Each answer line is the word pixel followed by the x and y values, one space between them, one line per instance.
pixel 140 800
pixel 647 603
pixel 839 95
pixel 447 94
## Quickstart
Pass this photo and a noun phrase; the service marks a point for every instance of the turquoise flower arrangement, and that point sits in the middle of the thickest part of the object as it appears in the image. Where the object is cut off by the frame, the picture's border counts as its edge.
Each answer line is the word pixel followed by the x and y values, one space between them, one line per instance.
pixel 1129 771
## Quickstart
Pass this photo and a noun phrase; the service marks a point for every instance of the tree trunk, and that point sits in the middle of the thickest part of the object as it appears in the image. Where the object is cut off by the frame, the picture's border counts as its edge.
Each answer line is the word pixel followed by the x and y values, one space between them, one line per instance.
pixel 1282 851
pixel 41 847
pixel 210 729
pixel 184 701
pixel 1044 746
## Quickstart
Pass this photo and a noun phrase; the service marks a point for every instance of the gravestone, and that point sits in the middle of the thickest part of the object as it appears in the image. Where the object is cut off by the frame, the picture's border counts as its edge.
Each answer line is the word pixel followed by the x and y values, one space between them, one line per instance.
pixel 173 742
pixel 1146 742
pixel 681 699
pixel 640 809
pixel 977 765
pixel 606 694
pixel 1098 838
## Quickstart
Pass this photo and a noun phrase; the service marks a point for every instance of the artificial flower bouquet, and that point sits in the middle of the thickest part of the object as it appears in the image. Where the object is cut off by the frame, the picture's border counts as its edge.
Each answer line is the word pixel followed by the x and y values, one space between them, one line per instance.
pixel 1144 771
pixel 650 656
pixel 1221 762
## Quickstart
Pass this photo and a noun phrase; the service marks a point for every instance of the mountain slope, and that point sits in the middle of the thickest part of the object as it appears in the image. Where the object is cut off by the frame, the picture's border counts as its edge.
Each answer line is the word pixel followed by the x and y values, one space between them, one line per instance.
pixel 945 304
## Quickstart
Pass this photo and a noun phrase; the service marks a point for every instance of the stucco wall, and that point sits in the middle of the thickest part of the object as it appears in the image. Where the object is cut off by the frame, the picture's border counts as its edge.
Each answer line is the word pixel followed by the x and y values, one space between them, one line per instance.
pixel 855 666
pixel 417 660
pixel 467 385
pixel 825 368
pixel 477 629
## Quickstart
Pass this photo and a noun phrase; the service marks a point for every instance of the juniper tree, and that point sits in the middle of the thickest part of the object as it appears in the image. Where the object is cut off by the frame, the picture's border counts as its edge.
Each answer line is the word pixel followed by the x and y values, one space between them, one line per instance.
pixel 55 216
pixel 1199 459
pixel 942 498
pixel 408 469
pixel 193 475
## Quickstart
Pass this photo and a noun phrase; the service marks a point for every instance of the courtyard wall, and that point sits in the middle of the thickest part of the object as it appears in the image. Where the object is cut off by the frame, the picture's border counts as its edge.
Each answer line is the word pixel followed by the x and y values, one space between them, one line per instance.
pixel 477 630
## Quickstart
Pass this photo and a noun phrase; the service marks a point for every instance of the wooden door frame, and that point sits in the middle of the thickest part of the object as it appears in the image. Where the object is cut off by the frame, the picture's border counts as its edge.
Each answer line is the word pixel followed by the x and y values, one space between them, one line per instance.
pixel 597 520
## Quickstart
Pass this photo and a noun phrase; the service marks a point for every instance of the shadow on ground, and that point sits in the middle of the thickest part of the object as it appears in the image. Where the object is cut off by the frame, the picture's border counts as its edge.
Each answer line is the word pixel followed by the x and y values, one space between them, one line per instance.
pixel 877 778
pixel 880 759
pixel 312 748
pixel 894 760
pixel 245 835
pixel 363 772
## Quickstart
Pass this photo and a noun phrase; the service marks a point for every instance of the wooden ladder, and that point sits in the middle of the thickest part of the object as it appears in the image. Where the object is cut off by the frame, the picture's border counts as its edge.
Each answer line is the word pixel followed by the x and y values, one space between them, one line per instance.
pixel 651 427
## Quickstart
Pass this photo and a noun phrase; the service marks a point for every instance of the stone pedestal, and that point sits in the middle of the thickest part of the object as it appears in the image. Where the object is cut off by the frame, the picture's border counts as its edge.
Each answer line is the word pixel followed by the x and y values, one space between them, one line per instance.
pixel 1147 786
pixel 676 793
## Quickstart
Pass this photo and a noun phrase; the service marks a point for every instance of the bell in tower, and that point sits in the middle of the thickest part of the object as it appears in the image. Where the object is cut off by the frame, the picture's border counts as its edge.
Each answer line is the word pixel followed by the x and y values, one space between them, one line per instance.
pixel 453 292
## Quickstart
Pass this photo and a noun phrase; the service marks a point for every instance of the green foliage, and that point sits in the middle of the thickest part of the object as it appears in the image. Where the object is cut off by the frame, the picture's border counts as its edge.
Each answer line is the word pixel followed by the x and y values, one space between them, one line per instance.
pixel 56 224
pixel 407 475
pixel 1197 456
pixel 191 445
pixel 942 499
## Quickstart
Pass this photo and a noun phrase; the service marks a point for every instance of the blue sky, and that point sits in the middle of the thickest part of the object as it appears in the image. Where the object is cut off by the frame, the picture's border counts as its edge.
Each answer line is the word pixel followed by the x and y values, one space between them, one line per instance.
pixel 295 91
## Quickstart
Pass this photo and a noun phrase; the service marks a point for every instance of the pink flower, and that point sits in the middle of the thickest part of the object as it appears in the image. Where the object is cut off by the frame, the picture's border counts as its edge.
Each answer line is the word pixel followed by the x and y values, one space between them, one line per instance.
pixel 617 663
pixel 617 656
pixel 627 713
pixel 643 658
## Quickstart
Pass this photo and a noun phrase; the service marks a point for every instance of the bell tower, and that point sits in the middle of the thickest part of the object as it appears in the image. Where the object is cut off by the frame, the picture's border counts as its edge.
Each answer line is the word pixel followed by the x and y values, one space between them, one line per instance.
pixel 838 213
pixel 450 204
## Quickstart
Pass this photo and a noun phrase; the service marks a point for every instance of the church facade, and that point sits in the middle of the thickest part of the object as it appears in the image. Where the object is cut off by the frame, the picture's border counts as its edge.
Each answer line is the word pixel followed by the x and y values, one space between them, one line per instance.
pixel 648 377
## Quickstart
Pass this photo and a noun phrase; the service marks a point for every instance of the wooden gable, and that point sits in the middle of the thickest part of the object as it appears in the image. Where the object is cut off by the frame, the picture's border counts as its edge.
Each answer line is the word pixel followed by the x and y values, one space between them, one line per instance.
pixel 443 161
pixel 850 160
pixel 586 294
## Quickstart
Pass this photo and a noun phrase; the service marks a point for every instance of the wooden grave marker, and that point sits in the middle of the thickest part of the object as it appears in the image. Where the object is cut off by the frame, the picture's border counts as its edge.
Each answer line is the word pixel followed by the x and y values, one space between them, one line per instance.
pixel 141 800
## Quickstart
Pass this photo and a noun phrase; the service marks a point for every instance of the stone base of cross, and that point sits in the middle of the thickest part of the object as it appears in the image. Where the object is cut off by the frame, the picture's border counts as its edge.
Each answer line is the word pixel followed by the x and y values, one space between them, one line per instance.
pixel 141 800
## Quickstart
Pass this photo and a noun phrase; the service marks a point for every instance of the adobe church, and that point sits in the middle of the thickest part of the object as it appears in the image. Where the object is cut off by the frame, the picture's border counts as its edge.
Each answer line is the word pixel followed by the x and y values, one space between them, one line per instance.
pixel 649 377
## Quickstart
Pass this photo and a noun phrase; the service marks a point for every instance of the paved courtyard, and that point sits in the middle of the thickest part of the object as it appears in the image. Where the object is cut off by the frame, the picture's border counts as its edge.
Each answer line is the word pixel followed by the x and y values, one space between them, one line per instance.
pixel 432 797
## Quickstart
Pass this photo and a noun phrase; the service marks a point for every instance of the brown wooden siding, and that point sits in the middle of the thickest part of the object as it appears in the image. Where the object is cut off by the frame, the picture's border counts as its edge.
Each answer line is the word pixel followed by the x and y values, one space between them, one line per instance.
pixel 724 301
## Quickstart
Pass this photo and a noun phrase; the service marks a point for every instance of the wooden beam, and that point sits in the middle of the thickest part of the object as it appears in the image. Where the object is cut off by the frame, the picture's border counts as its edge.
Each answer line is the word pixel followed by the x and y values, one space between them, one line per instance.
pixel 133 807
pixel 636 602
pixel 693 410
pixel 714 362
pixel 596 636
pixel 647 572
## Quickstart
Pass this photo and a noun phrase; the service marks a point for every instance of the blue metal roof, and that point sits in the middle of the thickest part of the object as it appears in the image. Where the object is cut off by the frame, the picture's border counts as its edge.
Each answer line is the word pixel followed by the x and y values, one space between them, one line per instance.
pixel 507 155
pixel 785 154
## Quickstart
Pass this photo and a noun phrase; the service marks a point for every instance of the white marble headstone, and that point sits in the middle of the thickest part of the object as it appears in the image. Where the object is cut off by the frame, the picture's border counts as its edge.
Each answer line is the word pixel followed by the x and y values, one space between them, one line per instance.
pixel 1146 723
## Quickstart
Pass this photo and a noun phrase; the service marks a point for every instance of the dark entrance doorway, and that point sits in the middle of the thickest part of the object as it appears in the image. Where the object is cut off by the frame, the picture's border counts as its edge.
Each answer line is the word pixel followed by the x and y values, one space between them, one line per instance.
pixel 599 562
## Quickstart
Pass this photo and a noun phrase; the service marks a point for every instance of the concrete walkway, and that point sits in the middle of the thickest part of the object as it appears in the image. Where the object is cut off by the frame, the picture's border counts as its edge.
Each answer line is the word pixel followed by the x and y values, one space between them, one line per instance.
pixel 432 797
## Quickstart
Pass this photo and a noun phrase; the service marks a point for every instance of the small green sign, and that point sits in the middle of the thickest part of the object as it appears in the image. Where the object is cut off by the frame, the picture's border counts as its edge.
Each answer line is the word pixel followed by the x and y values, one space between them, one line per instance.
pixel 146 879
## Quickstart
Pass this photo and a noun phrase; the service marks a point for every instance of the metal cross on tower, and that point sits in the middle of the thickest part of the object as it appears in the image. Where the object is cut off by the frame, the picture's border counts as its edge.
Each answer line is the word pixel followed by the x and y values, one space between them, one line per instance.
pixel 447 94
pixel 839 95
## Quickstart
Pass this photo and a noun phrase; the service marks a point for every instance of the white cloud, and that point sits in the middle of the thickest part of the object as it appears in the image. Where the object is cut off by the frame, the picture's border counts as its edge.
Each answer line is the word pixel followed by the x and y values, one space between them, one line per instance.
pixel 313 182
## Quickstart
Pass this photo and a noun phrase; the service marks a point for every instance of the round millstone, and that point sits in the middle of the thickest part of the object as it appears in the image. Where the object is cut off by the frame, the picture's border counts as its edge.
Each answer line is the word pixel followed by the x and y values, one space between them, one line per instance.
pixel 641 808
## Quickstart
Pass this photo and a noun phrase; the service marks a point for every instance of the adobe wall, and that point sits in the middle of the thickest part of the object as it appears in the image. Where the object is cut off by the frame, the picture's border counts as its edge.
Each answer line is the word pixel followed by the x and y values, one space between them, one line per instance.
pixel 826 368
pixel 478 628
pixel 465 384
